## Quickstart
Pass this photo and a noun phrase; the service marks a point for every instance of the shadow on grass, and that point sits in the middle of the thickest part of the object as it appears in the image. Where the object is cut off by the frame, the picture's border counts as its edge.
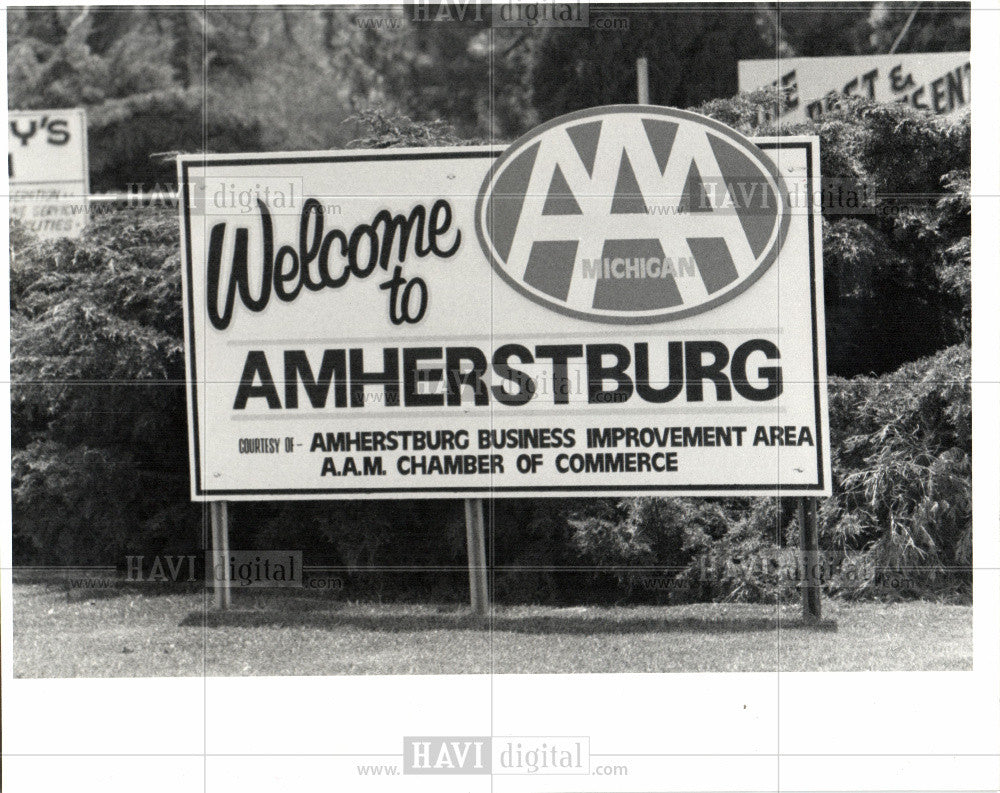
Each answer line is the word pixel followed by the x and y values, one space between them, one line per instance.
pixel 572 625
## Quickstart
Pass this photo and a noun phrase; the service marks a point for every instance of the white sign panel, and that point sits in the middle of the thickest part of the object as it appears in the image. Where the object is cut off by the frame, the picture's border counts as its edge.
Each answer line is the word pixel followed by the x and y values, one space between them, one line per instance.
pixel 47 169
pixel 935 81
pixel 627 300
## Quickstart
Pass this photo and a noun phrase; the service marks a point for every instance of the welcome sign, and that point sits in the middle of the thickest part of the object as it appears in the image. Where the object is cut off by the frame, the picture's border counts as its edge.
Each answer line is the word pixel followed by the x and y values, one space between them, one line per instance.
pixel 626 300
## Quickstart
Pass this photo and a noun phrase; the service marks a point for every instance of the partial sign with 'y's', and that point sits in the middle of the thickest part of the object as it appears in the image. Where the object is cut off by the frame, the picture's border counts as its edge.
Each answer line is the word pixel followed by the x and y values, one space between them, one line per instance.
pixel 47 171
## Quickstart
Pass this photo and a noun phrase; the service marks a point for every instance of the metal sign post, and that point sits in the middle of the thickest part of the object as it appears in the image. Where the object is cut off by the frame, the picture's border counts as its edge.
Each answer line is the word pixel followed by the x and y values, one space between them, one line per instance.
pixel 220 553
pixel 808 517
pixel 475 537
pixel 642 78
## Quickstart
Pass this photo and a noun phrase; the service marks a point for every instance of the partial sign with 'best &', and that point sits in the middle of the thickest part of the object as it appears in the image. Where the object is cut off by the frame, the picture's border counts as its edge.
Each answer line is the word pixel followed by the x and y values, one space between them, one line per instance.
pixel 940 82
pixel 626 300
pixel 47 170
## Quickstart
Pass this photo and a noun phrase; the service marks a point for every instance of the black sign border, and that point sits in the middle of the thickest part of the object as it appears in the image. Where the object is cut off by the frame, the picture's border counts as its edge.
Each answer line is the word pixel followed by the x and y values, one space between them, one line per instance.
pixel 511 491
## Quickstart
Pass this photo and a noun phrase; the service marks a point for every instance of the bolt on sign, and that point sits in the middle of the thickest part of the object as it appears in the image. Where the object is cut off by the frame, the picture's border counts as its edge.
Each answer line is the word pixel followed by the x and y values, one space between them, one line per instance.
pixel 47 170
pixel 626 300
pixel 940 82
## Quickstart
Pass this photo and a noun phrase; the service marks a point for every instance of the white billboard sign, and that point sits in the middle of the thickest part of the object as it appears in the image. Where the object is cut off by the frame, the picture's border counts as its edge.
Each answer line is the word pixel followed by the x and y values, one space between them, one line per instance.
pixel 628 300
pixel 935 81
pixel 47 169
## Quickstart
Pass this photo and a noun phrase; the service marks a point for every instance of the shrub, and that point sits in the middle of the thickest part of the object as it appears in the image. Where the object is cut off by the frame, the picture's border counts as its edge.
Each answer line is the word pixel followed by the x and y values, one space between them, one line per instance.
pixel 902 458
pixel 97 399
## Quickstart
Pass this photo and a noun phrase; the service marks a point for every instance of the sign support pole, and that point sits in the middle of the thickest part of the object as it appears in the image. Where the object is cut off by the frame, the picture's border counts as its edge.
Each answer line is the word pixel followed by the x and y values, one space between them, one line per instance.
pixel 475 539
pixel 220 553
pixel 808 517
pixel 642 79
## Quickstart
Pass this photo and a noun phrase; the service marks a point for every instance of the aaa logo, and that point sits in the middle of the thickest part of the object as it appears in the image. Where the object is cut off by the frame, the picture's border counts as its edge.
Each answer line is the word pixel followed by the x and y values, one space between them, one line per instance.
pixel 632 214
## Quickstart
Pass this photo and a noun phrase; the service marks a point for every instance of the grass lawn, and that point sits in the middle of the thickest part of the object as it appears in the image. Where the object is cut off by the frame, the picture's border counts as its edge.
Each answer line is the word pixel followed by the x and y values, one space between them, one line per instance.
pixel 142 633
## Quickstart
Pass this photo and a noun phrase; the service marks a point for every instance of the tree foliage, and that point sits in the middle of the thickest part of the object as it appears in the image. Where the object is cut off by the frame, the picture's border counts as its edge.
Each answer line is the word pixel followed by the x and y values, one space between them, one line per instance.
pixel 896 226
pixel 235 79
pixel 692 56
pixel 142 76
pixel 807 29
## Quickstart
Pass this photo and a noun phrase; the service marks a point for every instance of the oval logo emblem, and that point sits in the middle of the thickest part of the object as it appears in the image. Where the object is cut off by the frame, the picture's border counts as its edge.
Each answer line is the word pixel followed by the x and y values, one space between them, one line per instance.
pixel 632 214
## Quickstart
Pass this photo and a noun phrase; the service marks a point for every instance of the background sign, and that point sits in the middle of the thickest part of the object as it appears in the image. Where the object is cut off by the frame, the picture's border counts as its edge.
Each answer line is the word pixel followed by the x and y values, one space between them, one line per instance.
pixel 935 81
pixel 599 309
pixel 47 168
